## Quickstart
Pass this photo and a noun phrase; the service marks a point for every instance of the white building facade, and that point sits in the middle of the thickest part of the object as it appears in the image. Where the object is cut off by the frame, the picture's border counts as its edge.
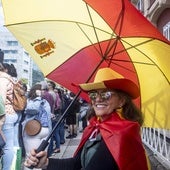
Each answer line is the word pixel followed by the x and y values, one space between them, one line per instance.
pixel 15 54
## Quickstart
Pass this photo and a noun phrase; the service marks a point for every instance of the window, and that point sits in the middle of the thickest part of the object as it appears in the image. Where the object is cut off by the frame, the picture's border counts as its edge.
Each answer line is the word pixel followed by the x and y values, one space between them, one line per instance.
pixel 166 30
pixel 140 5
pixel 26 62
pixel 12 43
pixel 10 60
pixel 10 51
pixel 25 71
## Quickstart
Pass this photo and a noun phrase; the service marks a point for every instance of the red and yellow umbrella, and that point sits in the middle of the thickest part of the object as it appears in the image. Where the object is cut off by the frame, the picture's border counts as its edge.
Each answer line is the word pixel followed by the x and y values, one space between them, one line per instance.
pixel 70 40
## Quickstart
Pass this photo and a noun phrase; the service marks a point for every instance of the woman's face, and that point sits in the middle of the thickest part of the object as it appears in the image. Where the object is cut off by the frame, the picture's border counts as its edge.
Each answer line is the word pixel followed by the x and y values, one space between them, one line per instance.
pixel 105 101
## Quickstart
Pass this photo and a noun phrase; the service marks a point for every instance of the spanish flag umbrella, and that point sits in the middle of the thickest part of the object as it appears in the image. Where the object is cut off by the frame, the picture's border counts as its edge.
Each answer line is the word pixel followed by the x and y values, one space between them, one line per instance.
pixel 71 39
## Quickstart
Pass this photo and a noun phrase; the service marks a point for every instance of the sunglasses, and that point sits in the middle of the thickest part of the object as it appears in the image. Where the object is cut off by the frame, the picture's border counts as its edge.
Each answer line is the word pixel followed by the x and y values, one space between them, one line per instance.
pixel 105 95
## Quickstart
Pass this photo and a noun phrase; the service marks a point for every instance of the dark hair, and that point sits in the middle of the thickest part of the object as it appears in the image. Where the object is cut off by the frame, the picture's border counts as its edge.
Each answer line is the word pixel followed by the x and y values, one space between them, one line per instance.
pixel 24 86
pixel 90 112
pixel 32 92
pixel 11 70
pixel 52 84
pixel 130 111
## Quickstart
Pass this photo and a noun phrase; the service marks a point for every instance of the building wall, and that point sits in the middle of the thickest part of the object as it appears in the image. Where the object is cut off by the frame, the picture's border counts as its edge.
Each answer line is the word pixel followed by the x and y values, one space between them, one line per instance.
pixel 163 19
pixel 156 11
pixel 15 54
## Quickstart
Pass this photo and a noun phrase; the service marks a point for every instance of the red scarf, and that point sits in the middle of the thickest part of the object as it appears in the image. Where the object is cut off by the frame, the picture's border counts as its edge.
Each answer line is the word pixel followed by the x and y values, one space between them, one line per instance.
pixel 122 138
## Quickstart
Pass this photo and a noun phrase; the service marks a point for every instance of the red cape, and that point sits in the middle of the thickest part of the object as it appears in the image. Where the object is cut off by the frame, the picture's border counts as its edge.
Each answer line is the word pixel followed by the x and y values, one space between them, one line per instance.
pixel 122 138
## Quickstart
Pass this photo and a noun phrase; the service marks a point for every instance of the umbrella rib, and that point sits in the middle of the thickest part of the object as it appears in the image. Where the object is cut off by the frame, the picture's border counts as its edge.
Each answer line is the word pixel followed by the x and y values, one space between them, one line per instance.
pixel 120 18
pixel 144 55
pixel 94 28
pixel 137 62
pixel 135 47
pixel 89 39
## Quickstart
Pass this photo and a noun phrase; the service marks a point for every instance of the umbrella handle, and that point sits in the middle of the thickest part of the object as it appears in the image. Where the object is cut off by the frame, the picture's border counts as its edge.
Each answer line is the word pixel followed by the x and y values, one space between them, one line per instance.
pixel 42 147
pixel 45 142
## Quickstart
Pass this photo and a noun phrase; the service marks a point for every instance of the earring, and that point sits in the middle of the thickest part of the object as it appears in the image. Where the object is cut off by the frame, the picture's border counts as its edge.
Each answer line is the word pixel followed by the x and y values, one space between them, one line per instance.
pixel 119 110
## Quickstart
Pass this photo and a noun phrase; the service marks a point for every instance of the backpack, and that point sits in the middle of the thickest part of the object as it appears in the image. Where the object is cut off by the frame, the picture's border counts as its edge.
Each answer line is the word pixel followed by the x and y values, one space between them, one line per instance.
pixel 19 98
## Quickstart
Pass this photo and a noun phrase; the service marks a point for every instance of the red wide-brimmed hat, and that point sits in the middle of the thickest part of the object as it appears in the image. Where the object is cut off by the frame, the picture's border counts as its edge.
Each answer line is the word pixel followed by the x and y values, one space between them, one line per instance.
pixel 106 78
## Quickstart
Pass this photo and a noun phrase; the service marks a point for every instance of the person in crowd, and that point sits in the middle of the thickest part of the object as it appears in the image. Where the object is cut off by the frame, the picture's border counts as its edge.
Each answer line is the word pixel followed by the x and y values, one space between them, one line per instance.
pixel 6 91
pixel 46 95
pixel 21 143
pixel 51 87
pixel 64 106
pixel 54 101
pixel 25 88
pixel 11 70
pixel 33 105
pixel 112 139
pixel 57 113
pixel 71 117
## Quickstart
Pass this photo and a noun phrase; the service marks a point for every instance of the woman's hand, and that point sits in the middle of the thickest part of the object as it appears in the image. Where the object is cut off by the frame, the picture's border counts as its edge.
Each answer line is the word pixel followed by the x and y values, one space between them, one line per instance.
pixel 38 160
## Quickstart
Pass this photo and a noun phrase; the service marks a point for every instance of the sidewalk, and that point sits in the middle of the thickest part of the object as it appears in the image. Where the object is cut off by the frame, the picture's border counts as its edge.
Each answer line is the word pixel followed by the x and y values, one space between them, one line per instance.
pixel 69 147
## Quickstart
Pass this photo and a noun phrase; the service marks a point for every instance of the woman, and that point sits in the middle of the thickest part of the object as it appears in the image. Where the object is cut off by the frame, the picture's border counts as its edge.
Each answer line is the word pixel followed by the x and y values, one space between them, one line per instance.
pixel 56 115
pixel 33 105
pixel 6 91
pixel 71 118
pixel 112 139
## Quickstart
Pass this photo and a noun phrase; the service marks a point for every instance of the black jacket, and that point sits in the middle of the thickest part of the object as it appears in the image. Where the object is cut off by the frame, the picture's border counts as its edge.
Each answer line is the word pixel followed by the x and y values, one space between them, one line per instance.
pixel 101 160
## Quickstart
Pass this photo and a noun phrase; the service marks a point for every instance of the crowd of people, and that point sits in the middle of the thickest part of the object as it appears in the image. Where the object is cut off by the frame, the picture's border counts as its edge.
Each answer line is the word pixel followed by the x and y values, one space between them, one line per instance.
pixel 13 123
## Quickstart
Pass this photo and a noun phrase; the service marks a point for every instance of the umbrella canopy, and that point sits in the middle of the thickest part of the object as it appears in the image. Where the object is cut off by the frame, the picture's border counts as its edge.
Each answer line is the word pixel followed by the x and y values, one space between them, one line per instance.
pixel 70 40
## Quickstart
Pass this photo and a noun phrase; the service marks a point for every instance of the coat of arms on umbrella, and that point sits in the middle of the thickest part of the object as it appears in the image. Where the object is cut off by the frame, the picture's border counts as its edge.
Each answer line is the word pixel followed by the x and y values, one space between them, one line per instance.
pixel 42 46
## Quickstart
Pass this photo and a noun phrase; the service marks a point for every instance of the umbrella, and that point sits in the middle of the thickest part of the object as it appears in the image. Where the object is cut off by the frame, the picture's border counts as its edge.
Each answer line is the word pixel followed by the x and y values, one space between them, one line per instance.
pixel 70 40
